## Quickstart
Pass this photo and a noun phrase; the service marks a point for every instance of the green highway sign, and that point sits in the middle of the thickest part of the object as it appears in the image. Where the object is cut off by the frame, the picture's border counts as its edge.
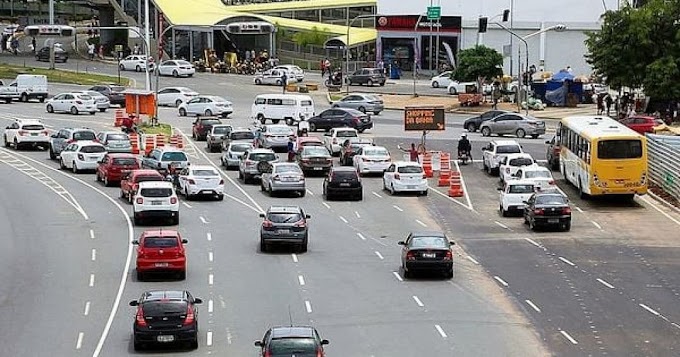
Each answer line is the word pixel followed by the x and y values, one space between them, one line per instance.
pixel 434 12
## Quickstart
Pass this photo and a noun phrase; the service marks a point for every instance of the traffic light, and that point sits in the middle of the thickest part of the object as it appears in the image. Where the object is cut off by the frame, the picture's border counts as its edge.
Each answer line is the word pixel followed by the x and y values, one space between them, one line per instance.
pixel 506 15
pixel 483 22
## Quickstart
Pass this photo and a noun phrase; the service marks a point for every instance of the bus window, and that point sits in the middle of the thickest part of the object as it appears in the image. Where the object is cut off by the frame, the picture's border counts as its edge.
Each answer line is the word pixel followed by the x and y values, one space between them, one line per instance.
pixel 260 100
pixel 619 149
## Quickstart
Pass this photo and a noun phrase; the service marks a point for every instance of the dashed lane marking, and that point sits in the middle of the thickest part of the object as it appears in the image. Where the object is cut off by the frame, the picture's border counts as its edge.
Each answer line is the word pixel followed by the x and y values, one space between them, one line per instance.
pixel 501 225
pixel 578 209
pixel 186 205
pixel 295 258
pixel 597 225
pixel 361 236
pixel 210 256
pixel 308 306
pixel 211 279
pixel 649 309
pixel 568 337
pixel 417 300
pixel 567 261
pixel 210 306
pixel 379 255
pixel 301 280
pixel 79 341
pixel 87 308
pixel 501 281
pixel 605 283
pixel 533 242
pixel 91 234
pixel 343 219
pixel 326 205
pixel 91 280
pixel 209 338
pixel 472 259
pixel 203 220
pixel 533 306
pixel 398 208
pixel 357 214
pixel 441 331
pixel 209 236
pixel 396 275
pixel 421 223
pixel 376 194
pixel 94 254
pixel 310 192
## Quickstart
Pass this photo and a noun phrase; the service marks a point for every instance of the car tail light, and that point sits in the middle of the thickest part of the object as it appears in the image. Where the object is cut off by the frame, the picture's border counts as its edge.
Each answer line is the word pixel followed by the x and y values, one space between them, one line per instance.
pixel 539 211
pixel 45 132
pixel 356 120
pixel 190 316
pixel 566 210
pixel 173 200
pixel 300 224
pixel 319 353
pixel 448 255
pixel 551 182
pixel 141 254
pixel 139 318
pixel 268 353
pixel 410 256
pixel 140 200
pixel 79 102
pixel 397 176
pixel 22 132
pixel 267 224
pixel 71 141
pixel 81 157
pixel 192 182
pixel 221 182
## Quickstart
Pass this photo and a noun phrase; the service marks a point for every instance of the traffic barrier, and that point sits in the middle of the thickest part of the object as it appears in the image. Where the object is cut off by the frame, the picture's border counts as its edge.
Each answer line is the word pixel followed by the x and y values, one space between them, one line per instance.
pixel 180 141
pixel 445 170
pixel 427 165
pixel 134 142
pixel 149 143
pixel 119 114
pixel 456 185
pixel 174 140
pixel 160 140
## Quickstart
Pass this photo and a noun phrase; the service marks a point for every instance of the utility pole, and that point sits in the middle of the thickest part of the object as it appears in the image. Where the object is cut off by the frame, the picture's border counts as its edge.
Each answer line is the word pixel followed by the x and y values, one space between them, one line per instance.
pixel 512 20
pixel 147 39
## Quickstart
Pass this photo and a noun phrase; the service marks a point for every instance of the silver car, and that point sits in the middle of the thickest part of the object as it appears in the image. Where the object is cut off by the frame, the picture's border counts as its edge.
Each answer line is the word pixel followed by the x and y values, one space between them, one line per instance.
pixel 275 136
pixel 283 176
pixel 249 166
pixel 361 102
pixel 115 141
pixel 513 124
pixel 217 136
pixel 273 77
pixel 235 150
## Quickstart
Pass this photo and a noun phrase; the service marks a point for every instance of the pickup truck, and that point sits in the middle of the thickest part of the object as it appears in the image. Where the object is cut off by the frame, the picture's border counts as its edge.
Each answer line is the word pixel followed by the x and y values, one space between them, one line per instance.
pixel 7 93
pixel 131 179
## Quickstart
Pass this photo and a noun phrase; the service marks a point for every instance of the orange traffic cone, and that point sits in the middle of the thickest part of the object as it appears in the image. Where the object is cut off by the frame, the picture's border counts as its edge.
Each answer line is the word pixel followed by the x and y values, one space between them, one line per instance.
pixel 456 186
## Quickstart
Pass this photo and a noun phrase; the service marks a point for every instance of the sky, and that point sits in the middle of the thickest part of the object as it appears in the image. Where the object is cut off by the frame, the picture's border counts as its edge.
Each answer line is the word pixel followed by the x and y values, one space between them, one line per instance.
pixel 524 10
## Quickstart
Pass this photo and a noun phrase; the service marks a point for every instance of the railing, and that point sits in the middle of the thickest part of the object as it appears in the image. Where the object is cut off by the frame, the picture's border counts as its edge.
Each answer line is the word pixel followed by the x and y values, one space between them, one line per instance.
pixel 664 163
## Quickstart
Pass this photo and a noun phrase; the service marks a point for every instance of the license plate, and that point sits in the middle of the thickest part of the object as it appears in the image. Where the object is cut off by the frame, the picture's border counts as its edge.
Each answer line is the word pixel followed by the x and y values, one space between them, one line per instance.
pixel 161 265
pixel 429 255
pixel 411 187
pixel 553 220
pixel 284 231
pixel 156 203
pixel 344 185
pixel 318 168
pixel 165 338
pixel 34 134
pixel 289 179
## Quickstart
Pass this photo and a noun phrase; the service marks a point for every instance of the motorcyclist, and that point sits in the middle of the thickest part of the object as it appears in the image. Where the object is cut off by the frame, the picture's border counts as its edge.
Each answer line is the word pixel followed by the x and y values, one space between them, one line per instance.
pixel 464 146
pixel 128 124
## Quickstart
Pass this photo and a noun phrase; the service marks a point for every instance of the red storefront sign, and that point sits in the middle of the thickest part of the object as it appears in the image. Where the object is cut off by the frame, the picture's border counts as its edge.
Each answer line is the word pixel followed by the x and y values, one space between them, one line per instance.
pixel 408 23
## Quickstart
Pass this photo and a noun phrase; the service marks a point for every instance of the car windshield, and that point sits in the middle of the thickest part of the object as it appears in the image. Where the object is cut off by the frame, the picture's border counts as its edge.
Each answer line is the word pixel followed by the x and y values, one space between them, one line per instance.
pixel 33 127
pixel 262 156
pixel 165 307
pixel 315 150
pixel 551 200
pixel 84 97
pixel 183 63
pixel 376 152
pixel 156 192
pixel 279 130
pixel 292 346
pixel 537 174
pixel 429 242
pixel 409 169
pixel 508 149
pixel 242 135
pixel 125 162
pixel 523 161
pixel 221 130
pixel 83 135
pixel 346 134
pixel 278 217
pixel 210 122
pixel 117 88
pixel 146 178
pixel 160 242
pixel 117 137
pixel 287 168
pixel 204 173
pixel 174 156
pixel 92 149
pixel 619 149
pixel 521 189
pixel 240 147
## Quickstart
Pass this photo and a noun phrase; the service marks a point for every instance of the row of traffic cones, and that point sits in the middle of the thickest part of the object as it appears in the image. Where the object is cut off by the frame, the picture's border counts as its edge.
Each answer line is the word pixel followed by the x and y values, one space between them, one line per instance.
pixel 447 177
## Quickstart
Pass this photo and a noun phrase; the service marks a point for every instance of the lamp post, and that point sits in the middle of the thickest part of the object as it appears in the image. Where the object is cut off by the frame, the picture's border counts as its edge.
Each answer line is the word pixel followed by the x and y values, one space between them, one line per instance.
pixel 415 50
pixel 349 26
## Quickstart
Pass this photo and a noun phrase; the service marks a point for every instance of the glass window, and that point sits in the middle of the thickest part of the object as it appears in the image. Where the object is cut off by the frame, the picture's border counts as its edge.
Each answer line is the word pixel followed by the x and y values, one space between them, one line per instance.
pixel 288 168
pixel 508 149
pixel 91 149
pixel 280 217
pixel 346 134
pixel 551 200
pixel 241 147
pixel 537 174
pixel 33 127
pixel 370 151
pixel 306 103
pixel 156 192
pixel 260 100
pixel 174 156
pixel 84 135
pixel 145 178
pixel 429 242
pixel 117 137
pixel 160 242
pixel 292 346
pixel 204 173
pixel 262 156
pixel 409 169
pixel 125 162
pixel 242 135
pixel 315 151
pixel 221 130
pixel 521 189
pixel 619 149
pixel 522 161
pixel 280 130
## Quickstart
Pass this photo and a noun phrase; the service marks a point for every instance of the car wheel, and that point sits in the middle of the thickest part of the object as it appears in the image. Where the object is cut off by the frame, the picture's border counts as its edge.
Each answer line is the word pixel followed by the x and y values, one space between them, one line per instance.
pixel 97 177
pixel 138 346
pixel 360 197
pixel 261 118
pixel 16 144
pixel 303 193
pixel 182 112
pixel 521 133
pixel 566 227
pixel 312 127
pixel 425 193
pixel 4 137
pixel 486 131
pixel 407 274
pixel 140 276
pixel 435 84
pixel 194 344
pixel 50 108
pixel 107 183
pixel 208 113
pixel 278 82
pixel 290 121
pixel 449 274
pixel 263 246
pixel 53 156
pixel 220 197
pixel 75 168
pixel 122 68
pixel 74 110
pixel 471 127
pixel 362 109
pixel 136 219
pixel 182 275
pixel 175 220
pixel 258 81
pixel 175 73
pixel 138 69
pixel 178 102
pixel 102 110
pixel 61 164
pixel 453 91
pixel 369 83
pixel 534 136
pixel 303 246
pixel 504 213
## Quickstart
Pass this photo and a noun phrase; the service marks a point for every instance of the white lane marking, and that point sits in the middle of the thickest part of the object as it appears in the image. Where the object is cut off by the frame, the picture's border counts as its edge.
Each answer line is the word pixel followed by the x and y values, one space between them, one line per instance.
pixel 464 187
pixel 308 306
pixel 210 256
pixel 210 279
pixel 209 236
pixel 441 331
pixel 310 192
pixel 376 194
pixel 357 214
pixel 379 255
pixel 501 281
pixel 644 198
pixel 91 280
pixel 605 283
pixel 186 205
pixel 421 223
pixel 203 220
pixel 578 209
pixel 567 261
pixel 228 336
pixel 241 202
pixel 533 242
pixel 91 234
pixel 501 225
pixel 343 219
pixel 209 338
pixel 568 337
pixel 533 306
pixel 361 236
pixel 295 258
pixel 94 254
pixel 326 205
pixel 649 309
pixel 301 280
pixel 396 275
pixel 417 300
pixel 398 208
pixel 596 225
pixel 210 306
pixel 79 341
pixel 451 199
pixel 472 259
pixel 87 309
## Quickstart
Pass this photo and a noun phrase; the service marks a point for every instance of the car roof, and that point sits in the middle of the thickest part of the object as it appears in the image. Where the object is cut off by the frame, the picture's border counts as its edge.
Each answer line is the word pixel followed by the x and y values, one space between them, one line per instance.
pixel 504 142
pixel 406 163
pixel 88 143
pixel 344 129
pixel 201 167
pixel 284 209
pixel 303 139
pixel 156 184
pixel 534 167
pixel 261 150
pixel 27 121
pixel 77 129
pixel 170 149
pixel 221 125
pixel 160 233
pixel 284 163
pixel 292 331
pixel 428 234
pixel 242 142
pixel 237 130
pixel 519 155
pixel 520 182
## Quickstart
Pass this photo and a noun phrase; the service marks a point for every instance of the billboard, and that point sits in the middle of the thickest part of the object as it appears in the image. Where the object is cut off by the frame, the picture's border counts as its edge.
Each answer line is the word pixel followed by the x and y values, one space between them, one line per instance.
pixel 424 118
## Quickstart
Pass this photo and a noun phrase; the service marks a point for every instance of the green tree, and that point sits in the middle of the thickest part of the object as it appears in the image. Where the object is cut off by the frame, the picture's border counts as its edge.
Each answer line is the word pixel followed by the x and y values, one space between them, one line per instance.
pixel 314 37
pixel 478 63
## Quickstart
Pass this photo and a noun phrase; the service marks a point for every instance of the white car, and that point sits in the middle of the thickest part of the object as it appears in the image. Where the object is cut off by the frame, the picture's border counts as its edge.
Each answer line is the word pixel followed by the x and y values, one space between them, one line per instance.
pixel 74 103
pixel 441 80
pixel 26 132
pixel 372 159
pixel 405 176
pixel 511 163
pixel 231 158
pixel 273 77
pixel 541 176
pixel 293 70
pixel 135 63
pixel 81 155
pixel 513 195
pixel 206 105
pixel 176 68
pixel 101 101
pixel 155 199
pixel 495 151
pixel 174 96
pixel 333 139
pixel 456 87
pixel 200 180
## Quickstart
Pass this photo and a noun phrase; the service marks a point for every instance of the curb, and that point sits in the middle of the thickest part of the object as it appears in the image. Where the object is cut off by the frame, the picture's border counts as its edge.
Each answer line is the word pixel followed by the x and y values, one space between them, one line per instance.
pixel 662 201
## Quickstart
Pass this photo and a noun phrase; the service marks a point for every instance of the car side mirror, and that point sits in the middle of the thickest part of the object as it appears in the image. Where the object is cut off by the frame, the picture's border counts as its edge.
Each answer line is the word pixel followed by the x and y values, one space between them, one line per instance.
pixel 525 202
pixel 53 136
pixel 135 242
pixel 325 342
pixel 308 216
pixel 198 301
pixel 452 243
pixel 134 303
pixel 499 188
pixel 258 343
pixel 485 149
pixel 261 215
pixel 7 127
pixel 547 142
pixel 185 241
pixel 401 243
pixel 327 134
pixel 168 179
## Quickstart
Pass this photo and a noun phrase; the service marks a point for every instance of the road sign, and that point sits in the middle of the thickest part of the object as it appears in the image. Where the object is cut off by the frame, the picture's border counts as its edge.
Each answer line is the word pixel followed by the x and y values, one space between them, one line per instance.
pixel 424 118
pixel 434 12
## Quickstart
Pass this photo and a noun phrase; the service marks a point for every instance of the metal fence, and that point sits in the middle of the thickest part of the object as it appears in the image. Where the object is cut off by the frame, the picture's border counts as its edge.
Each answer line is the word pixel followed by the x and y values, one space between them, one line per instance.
pixel 664 163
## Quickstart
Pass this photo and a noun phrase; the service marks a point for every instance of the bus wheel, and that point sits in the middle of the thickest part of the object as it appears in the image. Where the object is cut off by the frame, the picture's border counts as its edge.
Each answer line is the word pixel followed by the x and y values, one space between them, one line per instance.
pixel 582 194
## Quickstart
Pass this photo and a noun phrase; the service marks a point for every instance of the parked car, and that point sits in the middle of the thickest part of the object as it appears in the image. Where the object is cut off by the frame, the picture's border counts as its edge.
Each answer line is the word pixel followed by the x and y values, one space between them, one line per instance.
pixel 175 96
pixel 456 87
pixel 43 55
pixel 552 154
pixel 642 124
pixel 539 175
pixel 367 76
pixel 201 127
pixel 112 91
pixel 547 209
pixel 155 199
pixel 135 63
pixel 26 132
pixel 513 195
pixel 249 167
pixel 293 71
pixel 161 251
pixel 441 80
pixel 513 124
pixel 314 159
pixel 101 102
pixel 339 118
pixel 284 225
pixel 66 136
pixel 495 151
pixel 74 103
pixel 81 155
pixel 176 68
pixel 130 180
pixel 361 102
pixel 372 159
pixel 274 136
pixel 283 177
pixel 235 150
pixel 200 180
pixel 291 341
pixel 218 134
pixel 206 105
pixel 334 139
pixel 343 182
pixel 510 163
pixel 161 158
pixel 273 77
pixel 427 251
pixel 111 167
pixel 473 123
pixel 351 147
pixel 405 176
pixel 115 141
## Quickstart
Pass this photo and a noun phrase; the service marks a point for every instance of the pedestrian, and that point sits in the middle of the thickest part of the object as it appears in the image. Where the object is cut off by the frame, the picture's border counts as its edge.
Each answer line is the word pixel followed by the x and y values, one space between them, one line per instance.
pixel 322 65
pixel 247 56
pixel 608 101
pixel 90 50
pixel 284 81
pixel 291 149
pixel 381 66
pixel 569 70
pixel 327 65
pixel 33 44
pixel 135 49
pixel 600 104
pixel 594 99
pixel 412 152
pixel 252 55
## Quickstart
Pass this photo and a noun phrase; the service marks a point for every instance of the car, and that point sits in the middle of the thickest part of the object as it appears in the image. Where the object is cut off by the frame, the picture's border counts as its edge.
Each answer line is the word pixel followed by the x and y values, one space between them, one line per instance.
pixel 74 103
pixel 552 154
pixel 277 107
pixel 372 159
pixel 65 136
pixel 240 135
pixel 81 155
pixel 161 158
pixel 350 147
pixel 161 250
pixel 275 136
pixel 334 139
pixel 361 102
pixel 165 316
pixel 367 76
pixel 201 127
pixel 343 181
pixel 314 159
pixel 291 341
pixel 284 225
pixel 339 118
pixel 513 195
pixel 175 68
pixel 405 176
pixel 427 251
pixel 26 132
pixel 473 123
pixel 293 71
pixel 129 182
pixel 235 150
pixel 513 124
pixel 215 139
pixel 206 105
pixel 43 55
pixel 456 87
pixel 273 77
pixel 441 80
pixel 200 180
pixel 175 96
pixel 112 91
pixel 135 63
pixel 115 141
pixel 539 175
pixel 510 163
pixel 510 88
pixel 302 141
pixel 283 177
pixel 495 151
pixel 155 199
pixel 547 209
pixel 111 167
pixel 642 124
pixel 101 102
pixel 249 166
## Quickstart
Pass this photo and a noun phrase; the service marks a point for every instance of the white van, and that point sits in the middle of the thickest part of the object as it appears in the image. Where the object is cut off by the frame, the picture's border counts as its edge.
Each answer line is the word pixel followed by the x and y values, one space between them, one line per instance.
pixel 31 86
pixel 291 108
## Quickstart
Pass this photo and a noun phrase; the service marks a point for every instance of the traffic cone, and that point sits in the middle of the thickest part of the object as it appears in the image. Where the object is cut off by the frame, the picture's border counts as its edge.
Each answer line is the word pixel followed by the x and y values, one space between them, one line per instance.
pixel 149 143
pixel 456 186
pixel 134 142
pixel 445 170
pixel 427 165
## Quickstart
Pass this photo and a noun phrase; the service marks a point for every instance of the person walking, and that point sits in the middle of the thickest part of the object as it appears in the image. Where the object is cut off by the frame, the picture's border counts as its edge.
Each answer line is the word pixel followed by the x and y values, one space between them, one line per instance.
pixel 90 50
pixel 322 65
pixel 33 44
pixel 608 101
pixel 600 104
pixel 327 66
pixel 284 81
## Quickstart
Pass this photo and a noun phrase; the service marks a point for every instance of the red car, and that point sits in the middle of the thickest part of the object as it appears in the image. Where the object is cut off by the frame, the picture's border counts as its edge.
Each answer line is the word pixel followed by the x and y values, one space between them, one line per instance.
pixel 161 251
pixel 642 124
pixel 131 179
pixel 111 168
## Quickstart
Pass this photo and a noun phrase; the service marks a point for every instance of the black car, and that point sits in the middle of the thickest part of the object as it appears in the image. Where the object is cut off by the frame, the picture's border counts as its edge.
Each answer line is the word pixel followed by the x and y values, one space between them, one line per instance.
pixel 548 209
pixel 340 117
pixel 298 341
pixel 367 76
pixel 343 182
pixel 473 124
pixel 284 225
pixel 112 91
pixel 60 55
pixel 427 251
pixel 164 317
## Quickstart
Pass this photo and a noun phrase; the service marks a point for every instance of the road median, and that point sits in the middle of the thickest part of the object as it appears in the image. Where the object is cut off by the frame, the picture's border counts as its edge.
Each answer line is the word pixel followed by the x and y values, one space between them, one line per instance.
pixel 8 71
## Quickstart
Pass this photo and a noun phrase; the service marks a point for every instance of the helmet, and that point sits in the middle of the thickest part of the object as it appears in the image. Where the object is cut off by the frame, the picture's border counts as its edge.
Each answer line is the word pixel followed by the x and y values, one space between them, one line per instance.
pixel 463 135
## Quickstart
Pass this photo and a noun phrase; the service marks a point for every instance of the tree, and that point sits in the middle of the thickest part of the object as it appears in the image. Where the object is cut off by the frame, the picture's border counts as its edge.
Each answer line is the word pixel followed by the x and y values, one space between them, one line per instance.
pixel 478 63
pixel 313 37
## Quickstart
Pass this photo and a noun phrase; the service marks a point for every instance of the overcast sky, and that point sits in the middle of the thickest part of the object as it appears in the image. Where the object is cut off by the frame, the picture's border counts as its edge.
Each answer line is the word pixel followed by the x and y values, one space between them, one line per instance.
pixel 524 10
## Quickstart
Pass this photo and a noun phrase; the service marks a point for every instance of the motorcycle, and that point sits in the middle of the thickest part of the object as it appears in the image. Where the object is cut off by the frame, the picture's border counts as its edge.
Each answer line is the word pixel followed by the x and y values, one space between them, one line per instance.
pixel 335 80
pixel 464 157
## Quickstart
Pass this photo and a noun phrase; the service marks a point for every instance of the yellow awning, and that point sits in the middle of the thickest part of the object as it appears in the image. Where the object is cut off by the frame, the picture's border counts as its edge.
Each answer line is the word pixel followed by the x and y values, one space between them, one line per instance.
pixel 302 5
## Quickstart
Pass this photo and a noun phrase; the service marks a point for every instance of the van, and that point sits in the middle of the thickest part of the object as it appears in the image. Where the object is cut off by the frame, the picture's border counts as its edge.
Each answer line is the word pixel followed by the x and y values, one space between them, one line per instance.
pixel 291 108
pixel 31 86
